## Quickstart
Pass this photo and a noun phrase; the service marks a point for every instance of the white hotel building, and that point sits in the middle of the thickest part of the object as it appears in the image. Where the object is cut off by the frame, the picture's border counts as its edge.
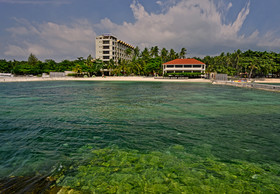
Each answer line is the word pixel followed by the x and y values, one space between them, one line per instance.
pixel 109 47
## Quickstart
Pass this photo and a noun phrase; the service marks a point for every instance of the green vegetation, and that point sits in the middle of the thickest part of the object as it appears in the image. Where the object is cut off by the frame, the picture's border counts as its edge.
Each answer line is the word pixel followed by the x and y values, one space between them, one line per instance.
pixel 148 62
pixel 113 170
pixel 186 74
pixel 247 64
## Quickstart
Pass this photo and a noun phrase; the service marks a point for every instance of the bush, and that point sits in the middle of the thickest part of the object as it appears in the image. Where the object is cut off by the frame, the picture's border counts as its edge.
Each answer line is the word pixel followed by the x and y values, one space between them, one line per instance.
pixel 185 74
pixel 73 74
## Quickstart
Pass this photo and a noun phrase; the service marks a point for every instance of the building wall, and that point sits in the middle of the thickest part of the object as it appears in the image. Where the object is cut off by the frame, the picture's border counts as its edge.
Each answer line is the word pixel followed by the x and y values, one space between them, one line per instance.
pixel 109 47
pixel 106 47
pixel 57 74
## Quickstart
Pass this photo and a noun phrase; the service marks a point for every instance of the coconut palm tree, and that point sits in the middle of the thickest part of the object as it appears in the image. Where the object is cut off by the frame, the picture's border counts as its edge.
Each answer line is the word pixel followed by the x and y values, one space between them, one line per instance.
pixel 183 53
pixel 164 55
pixel 136 52
pixel 154 51
pixel 111 66
pixel 172 55
pixel 128 52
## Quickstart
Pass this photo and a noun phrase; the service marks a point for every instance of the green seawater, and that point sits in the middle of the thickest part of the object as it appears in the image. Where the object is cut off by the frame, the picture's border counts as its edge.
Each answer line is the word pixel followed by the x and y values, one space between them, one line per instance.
pixel 141 137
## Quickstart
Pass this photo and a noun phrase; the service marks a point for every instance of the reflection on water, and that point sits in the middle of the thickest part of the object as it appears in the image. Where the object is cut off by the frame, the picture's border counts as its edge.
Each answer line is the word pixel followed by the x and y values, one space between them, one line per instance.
pixel 45 124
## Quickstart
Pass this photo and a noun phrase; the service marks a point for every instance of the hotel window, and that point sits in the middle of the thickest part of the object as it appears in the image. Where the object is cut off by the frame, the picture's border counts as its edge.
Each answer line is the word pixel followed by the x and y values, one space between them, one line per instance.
pixel 106 57
pixel 106 42
pixel 106 47
pixel 178 66
pixel 197 66
pixel 106 52
pixel 170 66
pixel 187 66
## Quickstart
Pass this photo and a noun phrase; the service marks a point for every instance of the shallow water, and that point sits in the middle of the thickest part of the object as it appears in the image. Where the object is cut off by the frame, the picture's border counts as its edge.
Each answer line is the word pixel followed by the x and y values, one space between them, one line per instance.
pixel 47 124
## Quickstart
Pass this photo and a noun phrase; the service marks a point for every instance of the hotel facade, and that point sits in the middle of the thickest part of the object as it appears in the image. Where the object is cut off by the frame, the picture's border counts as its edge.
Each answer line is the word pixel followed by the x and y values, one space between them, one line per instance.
pixel 109 47
pixel 184 66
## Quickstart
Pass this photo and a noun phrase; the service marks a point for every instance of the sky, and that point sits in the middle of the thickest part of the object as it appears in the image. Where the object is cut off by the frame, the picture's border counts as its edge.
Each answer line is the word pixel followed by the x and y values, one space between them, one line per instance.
pixel 66 29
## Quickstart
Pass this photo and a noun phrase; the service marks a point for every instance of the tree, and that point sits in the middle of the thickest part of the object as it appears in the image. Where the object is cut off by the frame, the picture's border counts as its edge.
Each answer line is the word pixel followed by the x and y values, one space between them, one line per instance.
pixel 153 66
pixel 128 52
pixel 97 66
pixel 78 69
pixel 172 55
pixel 111 66
pixel 136 51
pixel 50 65
pixel 122 67
pixel 154 51
pixel 6 66
pixel 32 60
pixel 145 54
pixel 164 55
pixel 66 65
pixel 183 53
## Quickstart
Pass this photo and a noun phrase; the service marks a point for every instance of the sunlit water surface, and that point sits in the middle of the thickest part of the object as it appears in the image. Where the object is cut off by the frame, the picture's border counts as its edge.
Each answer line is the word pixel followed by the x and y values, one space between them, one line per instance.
pixel 44 125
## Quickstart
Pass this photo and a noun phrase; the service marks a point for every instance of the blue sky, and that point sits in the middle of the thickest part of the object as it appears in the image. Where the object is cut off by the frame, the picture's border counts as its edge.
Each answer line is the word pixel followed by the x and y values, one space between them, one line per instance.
pixel 66 29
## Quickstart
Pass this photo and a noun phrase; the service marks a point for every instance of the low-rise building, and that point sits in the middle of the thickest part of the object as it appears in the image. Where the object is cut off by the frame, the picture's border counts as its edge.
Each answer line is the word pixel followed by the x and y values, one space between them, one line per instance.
pixel 184 66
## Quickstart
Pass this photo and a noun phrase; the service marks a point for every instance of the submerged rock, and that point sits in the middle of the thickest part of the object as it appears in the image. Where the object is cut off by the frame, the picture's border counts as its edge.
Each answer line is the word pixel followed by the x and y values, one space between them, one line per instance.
pixel 25 184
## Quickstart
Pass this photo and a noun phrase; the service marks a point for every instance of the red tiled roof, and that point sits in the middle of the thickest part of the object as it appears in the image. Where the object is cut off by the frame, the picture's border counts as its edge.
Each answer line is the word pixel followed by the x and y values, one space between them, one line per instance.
pixel 184 62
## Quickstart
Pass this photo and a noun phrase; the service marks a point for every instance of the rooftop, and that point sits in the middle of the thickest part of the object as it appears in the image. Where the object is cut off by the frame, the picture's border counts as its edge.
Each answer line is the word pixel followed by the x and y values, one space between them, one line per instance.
pixel 184 62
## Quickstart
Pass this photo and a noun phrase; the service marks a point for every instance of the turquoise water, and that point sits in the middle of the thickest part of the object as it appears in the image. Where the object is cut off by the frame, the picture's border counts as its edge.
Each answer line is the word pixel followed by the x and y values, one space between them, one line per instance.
pixel 47 125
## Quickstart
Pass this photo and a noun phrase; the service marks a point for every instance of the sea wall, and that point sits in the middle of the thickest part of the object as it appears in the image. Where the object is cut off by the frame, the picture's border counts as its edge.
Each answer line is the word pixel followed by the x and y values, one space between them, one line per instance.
pixel 267 87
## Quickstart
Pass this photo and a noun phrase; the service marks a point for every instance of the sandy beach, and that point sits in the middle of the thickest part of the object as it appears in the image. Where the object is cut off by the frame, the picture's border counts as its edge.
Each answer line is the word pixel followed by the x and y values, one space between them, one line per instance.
pixel 120 78
pixel 268 80
pixel 107 78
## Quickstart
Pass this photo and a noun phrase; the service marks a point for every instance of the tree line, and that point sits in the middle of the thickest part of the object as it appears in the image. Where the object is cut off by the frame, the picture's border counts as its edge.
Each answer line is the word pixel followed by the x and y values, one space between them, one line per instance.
pixel 144 62
pixel 149 62
pixel 250 64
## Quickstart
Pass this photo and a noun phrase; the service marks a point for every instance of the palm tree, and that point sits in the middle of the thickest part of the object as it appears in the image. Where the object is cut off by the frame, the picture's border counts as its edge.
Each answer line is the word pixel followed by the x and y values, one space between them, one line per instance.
pixel 164 54
pixel 172 55
pixel 111 66
pixel 154 51
pixel 183 53
pixel 145 54
pixel 78 69
pixel 136 51
pixel 128 52
pixel 252 67
pixel 89 64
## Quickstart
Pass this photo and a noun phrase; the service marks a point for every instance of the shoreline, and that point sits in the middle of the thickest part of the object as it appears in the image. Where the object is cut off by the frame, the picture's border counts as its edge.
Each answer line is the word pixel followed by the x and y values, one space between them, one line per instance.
pixel 107 78
pixel 120 78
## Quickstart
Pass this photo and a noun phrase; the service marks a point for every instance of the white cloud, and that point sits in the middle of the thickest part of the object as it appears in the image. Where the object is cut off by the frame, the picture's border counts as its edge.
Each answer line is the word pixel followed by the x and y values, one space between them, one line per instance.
pixel 52 40
pixel 269 40
pixel 166 4
pixel 229 6
pixel 197 25
pixel 159 2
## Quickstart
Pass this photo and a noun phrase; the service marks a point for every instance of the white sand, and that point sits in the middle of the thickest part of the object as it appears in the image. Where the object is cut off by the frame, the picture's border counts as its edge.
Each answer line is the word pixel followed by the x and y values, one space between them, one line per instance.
pixel 118 78
pixel 268 80
pixel 107 78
